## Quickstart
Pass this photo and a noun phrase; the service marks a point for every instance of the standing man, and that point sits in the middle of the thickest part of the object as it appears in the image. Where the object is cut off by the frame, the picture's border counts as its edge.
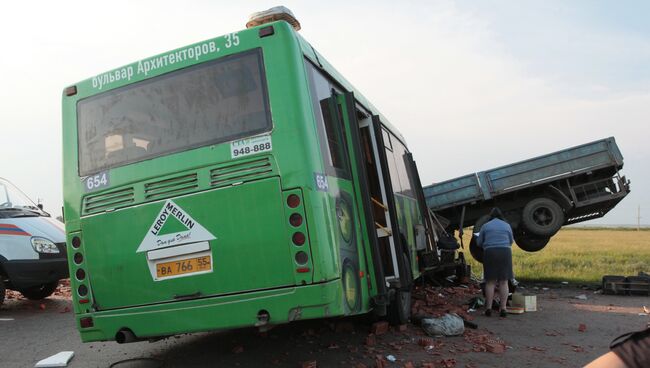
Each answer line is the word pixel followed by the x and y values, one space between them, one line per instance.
pixel 496 240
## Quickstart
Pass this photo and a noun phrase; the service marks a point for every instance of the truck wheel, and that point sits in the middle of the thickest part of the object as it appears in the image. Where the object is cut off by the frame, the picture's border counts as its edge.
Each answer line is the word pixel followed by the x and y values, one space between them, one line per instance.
pixel 542 217
pixel 41 291
pixel 2 292
pixel 474 249
pixel 531 243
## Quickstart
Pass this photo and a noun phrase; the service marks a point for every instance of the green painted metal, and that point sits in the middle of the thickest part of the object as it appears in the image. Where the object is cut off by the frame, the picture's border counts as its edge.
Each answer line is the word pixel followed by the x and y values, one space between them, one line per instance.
pixel 240 202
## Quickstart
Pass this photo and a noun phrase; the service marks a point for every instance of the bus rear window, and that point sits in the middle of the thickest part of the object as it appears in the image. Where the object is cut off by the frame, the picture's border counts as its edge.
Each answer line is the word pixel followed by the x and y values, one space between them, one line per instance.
pixel 210 103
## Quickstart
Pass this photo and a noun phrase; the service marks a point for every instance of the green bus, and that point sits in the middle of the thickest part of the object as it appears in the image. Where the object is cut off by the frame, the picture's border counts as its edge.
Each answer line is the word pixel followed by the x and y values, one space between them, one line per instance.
pixel 240 181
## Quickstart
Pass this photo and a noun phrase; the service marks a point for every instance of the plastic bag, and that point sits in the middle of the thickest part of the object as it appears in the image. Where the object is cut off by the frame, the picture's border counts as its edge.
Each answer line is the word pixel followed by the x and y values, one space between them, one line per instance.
pixel 448 325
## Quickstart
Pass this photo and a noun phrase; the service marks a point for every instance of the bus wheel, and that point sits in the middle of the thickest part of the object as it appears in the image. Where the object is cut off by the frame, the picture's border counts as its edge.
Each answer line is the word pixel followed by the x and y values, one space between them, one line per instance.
pixel 400 306
pixel 531 243
pixel 351 286
pixel 41 291
pixel 543 217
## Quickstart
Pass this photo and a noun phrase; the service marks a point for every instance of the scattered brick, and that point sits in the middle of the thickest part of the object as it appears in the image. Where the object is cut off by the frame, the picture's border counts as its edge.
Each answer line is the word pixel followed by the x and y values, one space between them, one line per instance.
pixel 425 341
pixel 402 328
pixel 380 362
pixel 310 364
pixel 448 363
pixel 582 327
pixel 409 365
pixel 371 340
pixel 496 348
pixel 379 328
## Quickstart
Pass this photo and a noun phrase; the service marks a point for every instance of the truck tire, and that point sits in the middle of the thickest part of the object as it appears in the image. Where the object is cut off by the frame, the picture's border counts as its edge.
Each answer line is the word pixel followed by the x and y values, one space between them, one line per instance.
pixel 542 217
pixel 474 249
pixel 40 291
pixel 531 243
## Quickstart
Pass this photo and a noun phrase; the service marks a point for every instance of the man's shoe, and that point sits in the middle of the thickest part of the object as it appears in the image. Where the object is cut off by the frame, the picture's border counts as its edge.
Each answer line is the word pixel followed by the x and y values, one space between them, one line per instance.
pixel 503 313
pixel 488 313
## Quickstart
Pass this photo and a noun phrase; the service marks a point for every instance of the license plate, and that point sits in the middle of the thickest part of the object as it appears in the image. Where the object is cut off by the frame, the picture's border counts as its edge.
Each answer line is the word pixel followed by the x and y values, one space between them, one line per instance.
pixel 183 266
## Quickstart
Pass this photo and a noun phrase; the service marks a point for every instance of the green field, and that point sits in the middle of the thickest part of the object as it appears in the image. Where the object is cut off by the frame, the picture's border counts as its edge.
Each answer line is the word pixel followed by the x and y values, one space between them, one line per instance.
pixel 581 256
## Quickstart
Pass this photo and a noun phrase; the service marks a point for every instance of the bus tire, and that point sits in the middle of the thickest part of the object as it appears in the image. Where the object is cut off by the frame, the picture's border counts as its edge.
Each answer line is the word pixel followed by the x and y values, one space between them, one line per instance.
pixel 542 217
pixel 2 291
pixel 40 291
pixel 400 306
pixel 531 243
pixel 351 286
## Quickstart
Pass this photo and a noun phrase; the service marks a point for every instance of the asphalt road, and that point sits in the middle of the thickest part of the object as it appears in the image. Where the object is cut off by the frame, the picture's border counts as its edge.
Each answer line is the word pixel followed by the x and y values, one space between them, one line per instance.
pixel 547 338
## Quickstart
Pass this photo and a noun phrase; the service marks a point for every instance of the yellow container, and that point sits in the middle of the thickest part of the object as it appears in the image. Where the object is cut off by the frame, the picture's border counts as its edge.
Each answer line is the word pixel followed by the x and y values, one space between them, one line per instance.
pixel 526 301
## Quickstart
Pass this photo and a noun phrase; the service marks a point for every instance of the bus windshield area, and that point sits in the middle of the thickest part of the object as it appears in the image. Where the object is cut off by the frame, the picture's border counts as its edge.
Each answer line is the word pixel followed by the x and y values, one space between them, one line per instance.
pixel 214 102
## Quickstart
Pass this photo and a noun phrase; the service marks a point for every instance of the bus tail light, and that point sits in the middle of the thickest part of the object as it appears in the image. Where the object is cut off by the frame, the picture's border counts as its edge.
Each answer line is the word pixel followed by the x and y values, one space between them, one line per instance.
pixel 86 322
pixel 78 268
pixel 76 242
pixel 298 235
pixel 293 201
pixel 302 258
pixel 80 274
pixel 295 220
pixel 298 238
pixel 82 290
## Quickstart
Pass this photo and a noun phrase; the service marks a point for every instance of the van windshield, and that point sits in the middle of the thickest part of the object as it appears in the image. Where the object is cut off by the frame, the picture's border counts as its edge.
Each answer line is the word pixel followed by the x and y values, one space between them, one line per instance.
pixel 14 203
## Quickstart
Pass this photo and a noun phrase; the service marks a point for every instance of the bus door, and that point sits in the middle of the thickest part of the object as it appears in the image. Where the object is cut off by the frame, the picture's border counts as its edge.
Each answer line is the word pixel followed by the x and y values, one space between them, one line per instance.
pixel 375 198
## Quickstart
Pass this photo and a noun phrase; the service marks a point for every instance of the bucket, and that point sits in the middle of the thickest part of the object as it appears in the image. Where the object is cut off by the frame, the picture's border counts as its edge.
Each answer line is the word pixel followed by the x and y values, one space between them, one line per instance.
pixel 526 301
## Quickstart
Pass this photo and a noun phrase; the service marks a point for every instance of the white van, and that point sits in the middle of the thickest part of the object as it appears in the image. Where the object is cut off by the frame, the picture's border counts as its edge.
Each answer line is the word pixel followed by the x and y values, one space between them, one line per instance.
pixel 33 254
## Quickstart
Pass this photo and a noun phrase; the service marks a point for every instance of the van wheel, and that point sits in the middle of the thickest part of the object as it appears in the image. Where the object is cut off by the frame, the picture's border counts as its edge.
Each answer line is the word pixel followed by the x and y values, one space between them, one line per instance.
pixel 2 291
pixel 41 291
pixel 542 217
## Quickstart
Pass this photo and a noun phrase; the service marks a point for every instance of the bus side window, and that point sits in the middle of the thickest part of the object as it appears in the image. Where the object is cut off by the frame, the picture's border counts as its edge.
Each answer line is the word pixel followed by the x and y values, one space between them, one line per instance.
pixel 405 179
pixel 329 124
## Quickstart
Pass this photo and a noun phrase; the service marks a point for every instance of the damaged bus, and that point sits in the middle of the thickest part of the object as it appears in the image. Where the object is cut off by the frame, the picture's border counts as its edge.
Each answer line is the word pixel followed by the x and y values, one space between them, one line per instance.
pixel 239 181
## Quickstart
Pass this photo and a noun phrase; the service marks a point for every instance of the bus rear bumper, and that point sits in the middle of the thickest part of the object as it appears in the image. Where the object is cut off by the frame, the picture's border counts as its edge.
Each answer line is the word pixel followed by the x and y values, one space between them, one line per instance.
pixel 226 312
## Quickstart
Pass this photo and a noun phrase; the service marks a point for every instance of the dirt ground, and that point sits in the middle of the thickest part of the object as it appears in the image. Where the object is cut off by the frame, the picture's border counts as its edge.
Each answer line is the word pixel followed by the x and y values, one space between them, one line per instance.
pixel 565 331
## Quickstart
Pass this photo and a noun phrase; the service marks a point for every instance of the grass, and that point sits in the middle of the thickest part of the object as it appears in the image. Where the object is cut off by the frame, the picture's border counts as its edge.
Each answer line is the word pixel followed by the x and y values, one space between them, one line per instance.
pixel 581 256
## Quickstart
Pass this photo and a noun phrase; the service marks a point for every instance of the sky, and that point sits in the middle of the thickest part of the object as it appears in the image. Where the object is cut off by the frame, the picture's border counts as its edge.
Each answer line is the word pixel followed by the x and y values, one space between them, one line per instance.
pixel 471 85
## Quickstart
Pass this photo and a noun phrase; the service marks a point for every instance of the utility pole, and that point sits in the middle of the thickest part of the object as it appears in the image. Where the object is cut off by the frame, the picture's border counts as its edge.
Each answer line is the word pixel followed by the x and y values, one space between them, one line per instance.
pixel 638 218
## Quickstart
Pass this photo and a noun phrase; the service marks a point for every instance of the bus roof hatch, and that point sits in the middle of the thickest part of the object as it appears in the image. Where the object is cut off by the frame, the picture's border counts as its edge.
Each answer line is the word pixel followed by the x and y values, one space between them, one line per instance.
pixel 271 15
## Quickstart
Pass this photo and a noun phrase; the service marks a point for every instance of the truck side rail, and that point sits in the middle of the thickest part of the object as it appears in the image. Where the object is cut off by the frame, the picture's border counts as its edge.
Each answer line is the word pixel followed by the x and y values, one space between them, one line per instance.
pixel 547 168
